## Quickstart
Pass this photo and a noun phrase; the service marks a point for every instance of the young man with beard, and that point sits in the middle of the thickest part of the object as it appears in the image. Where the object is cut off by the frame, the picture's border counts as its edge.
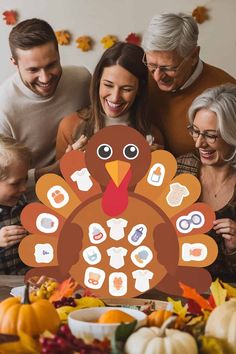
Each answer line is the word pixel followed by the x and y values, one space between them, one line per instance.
pixel 177 77
pixel 39 94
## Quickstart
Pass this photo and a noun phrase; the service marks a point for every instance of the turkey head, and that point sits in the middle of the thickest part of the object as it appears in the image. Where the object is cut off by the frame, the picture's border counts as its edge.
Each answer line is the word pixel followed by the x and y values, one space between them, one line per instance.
pixel 117 157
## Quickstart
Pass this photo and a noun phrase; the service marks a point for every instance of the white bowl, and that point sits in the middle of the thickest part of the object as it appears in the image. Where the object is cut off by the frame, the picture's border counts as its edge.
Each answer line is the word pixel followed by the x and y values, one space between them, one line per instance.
pixel 82 322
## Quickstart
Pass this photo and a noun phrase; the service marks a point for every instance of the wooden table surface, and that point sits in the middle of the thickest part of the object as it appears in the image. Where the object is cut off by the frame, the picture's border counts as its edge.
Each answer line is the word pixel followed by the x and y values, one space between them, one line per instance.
pixel 7 282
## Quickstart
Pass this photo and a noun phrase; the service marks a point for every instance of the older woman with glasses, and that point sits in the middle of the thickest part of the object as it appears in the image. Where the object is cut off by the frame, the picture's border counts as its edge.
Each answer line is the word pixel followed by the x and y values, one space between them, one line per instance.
pixel 212 118
pixel 177 76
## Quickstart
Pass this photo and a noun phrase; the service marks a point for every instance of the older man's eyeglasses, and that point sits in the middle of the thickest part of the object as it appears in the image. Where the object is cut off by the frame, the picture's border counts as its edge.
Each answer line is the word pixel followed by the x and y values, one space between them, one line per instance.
pixel 207 135
pixel 163 68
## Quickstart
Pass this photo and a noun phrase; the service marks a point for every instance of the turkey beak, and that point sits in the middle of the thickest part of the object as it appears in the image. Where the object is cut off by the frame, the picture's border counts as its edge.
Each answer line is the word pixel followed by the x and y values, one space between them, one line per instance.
pixel 117 170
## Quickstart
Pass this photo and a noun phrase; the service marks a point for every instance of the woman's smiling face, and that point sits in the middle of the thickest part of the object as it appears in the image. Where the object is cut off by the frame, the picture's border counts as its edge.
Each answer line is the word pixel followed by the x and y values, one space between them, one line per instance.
pixel 211 153
pixel 117 91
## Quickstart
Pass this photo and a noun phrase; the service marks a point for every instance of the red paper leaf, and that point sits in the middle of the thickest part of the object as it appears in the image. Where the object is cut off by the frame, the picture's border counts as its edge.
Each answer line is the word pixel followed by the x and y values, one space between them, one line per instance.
pixel 212 301
pixel 193 307
pixel 133 38
pixel 10 17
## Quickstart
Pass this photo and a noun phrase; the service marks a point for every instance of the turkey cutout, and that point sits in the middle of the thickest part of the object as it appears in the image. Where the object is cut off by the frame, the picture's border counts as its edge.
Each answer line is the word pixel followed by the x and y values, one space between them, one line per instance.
pixel 120 164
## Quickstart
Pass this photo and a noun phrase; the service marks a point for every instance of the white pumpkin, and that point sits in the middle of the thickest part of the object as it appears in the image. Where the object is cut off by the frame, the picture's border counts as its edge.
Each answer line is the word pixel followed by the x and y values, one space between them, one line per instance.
pixel 153 340
pixel 222 322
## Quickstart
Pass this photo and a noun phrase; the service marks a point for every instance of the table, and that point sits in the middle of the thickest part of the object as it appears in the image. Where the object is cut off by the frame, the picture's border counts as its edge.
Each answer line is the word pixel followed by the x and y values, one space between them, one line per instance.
pixel 7 282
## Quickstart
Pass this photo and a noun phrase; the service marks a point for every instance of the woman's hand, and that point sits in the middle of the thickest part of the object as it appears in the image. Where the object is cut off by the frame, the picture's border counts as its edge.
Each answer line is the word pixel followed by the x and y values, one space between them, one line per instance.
pixel 227 229
pixel 155 147
pixel 80 144
pixel 12 234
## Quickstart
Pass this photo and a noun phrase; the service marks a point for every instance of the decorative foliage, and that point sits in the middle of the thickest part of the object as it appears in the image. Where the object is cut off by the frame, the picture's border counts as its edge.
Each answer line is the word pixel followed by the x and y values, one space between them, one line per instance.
pixel 192 294
pixel 200 14
pixel 108 41
pixel 133 38
pixel 66 288
pixel 63 37
pixel 10 17
pixel 84 43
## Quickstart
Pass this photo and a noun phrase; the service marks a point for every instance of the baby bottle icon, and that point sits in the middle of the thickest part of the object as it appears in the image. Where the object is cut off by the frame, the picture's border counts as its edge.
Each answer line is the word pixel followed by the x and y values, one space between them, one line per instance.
pixel 156 174
pixel 137 234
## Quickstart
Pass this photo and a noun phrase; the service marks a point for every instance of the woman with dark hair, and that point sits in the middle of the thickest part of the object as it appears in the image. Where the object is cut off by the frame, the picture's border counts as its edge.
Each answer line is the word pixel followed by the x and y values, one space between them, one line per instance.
pixel 118 95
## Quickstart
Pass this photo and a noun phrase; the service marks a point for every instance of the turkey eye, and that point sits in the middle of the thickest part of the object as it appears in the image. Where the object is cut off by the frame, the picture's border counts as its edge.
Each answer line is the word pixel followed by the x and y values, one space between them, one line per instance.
pixel 130 151
pixel 104 151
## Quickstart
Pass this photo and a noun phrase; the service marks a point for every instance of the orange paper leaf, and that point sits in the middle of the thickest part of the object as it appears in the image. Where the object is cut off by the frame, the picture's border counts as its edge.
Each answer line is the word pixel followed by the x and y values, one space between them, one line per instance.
pixel 84 43
pixel 63 37
pixel 200 14
pixel 10 17
pixel 191 293
pixel 66 288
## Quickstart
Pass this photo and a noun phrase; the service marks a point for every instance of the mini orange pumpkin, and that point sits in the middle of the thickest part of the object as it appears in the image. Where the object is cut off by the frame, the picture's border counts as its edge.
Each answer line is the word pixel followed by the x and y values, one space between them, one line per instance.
pixel 156 318
pixel 31 318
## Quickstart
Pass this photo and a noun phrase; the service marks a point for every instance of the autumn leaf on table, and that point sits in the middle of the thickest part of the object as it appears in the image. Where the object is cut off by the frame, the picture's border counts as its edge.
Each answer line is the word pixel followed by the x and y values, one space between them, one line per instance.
pixel 63 37
pixel 108 41
pixel 178 308
pixel 10 17
pixel 192 294
pixel 231 291
pixel 66 288
pixel 84 43
pixel 25 345
pixel 200 14
pixel 133 38
pixel 219 294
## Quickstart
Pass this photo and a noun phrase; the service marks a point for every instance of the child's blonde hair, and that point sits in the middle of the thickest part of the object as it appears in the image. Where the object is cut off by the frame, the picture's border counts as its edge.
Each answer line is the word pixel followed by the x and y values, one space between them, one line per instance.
pixel 11 150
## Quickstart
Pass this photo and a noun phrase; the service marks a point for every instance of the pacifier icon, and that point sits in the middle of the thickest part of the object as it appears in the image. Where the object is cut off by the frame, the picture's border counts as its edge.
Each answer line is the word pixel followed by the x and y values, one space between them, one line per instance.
pixel 187 223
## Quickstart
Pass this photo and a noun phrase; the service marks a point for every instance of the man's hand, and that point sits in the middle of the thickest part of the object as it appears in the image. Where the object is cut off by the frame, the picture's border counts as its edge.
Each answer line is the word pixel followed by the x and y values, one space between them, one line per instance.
pixel 12 234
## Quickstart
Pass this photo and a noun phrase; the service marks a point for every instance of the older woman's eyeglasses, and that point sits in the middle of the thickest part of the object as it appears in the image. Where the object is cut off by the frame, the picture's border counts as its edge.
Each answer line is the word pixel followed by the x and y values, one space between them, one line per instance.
pixel 163 68
pixel 207 135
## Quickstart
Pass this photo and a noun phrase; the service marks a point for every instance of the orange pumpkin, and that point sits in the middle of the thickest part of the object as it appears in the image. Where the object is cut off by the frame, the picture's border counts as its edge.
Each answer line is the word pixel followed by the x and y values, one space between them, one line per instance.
pixel 156 318
pixel 31 318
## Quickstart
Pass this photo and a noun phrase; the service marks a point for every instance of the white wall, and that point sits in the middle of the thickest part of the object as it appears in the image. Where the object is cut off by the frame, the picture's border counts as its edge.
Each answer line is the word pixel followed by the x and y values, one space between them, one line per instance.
pixel 98 18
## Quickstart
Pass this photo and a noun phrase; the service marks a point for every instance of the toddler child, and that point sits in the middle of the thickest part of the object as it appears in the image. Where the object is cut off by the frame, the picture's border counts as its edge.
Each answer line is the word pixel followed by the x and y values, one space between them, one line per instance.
pixel 14 164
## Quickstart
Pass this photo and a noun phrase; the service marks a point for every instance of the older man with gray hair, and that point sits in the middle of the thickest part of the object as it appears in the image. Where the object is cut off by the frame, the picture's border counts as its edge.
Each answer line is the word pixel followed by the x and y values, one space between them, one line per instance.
pixel 178 75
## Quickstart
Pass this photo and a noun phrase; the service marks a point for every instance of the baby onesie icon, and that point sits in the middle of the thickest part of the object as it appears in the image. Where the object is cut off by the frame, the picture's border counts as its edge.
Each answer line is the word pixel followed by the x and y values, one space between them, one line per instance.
pixel 137 234
pixel 117 228
pixel 57 196
pixel 47 223
pixel 83 180
pixel 176 194
pixel 92 255
pixel 142 277
pixel 43 253
pixel 94 278
pixel 117 255
pixel 118 284
pixel 97 234
pixel 156 175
